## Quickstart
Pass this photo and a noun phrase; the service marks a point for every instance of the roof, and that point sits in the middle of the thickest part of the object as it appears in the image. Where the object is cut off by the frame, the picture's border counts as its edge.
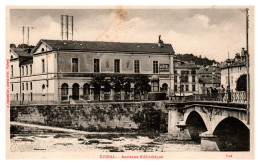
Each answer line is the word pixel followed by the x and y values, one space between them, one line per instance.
pixel 185 66
pixel 208 80
pixel 21 52
pixel 232 65
pixel 26 60
pixel 109 46
pixel 208 70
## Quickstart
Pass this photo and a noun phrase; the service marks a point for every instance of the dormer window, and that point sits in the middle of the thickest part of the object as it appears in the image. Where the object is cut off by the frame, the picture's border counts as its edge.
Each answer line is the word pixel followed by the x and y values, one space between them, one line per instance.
pixel 42 49
pixel 12 57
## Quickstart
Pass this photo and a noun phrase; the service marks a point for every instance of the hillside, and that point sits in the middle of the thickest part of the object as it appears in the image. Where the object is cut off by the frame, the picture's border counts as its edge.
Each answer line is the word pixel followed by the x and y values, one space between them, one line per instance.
pixel 195 59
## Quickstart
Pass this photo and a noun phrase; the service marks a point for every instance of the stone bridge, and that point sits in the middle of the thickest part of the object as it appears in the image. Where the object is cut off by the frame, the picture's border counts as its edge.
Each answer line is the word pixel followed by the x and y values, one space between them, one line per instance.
pixel 218 126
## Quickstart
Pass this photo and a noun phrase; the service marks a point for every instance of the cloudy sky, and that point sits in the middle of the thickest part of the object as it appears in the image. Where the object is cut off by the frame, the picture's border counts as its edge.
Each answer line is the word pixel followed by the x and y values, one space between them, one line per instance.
pixel 211 33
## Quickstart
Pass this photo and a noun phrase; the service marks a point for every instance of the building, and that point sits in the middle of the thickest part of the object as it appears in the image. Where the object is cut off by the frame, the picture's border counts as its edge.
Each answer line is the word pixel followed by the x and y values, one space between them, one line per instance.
pixel 209 77
pixel 185 78
pixel 236 68
pixel 58 71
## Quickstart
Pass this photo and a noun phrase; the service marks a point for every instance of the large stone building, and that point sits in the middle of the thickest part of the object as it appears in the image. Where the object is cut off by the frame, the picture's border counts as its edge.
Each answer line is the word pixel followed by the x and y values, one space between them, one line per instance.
pixel 237 68
pixel 76 71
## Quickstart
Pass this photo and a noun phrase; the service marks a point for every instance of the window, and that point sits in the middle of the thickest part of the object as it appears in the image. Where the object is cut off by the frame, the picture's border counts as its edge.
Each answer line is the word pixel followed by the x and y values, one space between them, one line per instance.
pixel 137 66
pixel 175 71
pixel 12 87
pixel 165 87
pixel 22 70
pixel 30 69
pixel 193 78
pixel 193 72
pixel 43 90
pixel 31 96
pixel 43 66
pixel 193 88
pixel 155 86
pixel 175 78
pixel 96 65
pixel 26 69
pixel 12 71
pixel 23 97
pixel 31 85
pixel 75 65
pixel 23 86
pixel 17 97
pixel 175 88
pixel 155 67
pixel 184 78
pixel 182 88
pixel 27 86
pixel 64 89
pixel 117 66
pixel 187 87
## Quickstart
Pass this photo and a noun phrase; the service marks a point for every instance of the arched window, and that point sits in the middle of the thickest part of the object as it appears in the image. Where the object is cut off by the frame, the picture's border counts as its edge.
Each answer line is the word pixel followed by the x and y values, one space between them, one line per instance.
pixel 43 90
pixel 86 89
pixel 165 87
pixel 75 91
pixel 64 89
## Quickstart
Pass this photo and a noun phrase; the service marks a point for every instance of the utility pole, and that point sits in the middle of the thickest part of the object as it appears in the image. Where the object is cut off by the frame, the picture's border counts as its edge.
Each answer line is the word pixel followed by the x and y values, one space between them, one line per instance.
pixel 247 66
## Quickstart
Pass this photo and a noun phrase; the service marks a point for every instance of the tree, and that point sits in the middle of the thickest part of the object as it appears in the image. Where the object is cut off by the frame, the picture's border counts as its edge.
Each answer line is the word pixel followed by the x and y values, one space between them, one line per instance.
pixel 142 84
pixel 241 83
pixel 12 46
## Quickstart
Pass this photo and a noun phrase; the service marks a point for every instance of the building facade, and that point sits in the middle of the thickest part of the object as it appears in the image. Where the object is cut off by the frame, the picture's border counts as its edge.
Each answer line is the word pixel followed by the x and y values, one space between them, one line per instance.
pixel 185 78
pixel 236 69
pixel 209 77
pixel 78 71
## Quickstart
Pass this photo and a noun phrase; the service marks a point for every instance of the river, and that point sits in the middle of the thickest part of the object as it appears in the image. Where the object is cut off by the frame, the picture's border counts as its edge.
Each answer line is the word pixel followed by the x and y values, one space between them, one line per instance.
pixel 28 139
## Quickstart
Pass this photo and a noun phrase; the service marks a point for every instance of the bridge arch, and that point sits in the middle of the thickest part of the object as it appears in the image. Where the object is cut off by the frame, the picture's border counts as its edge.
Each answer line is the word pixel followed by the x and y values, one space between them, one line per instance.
pixel 233 135
pixel 195 125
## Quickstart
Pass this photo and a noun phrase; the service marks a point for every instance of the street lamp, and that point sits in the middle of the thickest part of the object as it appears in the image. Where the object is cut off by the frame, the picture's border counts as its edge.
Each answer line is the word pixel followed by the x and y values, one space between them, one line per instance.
pixel 213 73
pixel 180 87
pixel 228 87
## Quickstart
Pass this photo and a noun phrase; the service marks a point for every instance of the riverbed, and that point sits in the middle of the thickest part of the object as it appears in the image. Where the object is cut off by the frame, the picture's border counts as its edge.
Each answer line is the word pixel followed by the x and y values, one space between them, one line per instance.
pixel 26 139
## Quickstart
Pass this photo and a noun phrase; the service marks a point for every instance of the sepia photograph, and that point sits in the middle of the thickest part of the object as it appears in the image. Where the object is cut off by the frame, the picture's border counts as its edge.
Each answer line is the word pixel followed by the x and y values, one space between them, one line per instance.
pixel 130 82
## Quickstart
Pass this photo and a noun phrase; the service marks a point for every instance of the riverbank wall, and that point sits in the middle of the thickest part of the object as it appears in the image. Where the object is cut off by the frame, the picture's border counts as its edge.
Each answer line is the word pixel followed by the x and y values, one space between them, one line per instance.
pixel 123 116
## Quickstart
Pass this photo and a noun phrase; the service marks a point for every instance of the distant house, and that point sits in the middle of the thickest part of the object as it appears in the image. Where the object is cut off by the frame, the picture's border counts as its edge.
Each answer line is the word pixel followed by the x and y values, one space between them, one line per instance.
pixel 209 77
pixel 58 71
pixel 185 78
pixel 236 68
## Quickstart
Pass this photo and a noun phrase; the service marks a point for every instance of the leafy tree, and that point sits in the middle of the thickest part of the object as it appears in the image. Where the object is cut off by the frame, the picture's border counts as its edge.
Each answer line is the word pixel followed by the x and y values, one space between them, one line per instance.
pixel 241 83
pixel 12 46
pixel 142 84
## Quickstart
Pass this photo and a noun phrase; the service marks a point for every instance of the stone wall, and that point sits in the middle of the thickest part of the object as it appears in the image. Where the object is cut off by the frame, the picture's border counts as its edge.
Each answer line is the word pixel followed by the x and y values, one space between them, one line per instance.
pixel 148 116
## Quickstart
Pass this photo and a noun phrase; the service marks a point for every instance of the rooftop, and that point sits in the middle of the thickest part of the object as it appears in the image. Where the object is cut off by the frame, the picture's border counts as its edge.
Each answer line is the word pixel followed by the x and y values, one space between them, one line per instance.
pixel 109 46
pixel 208 70
pixel 21 52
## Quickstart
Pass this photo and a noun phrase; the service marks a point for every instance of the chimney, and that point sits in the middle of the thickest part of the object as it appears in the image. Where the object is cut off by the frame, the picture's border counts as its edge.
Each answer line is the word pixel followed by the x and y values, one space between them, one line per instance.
pixel 66 22
pixel 61 24
pixel 160 42
pixel 28 31
pixel 23 34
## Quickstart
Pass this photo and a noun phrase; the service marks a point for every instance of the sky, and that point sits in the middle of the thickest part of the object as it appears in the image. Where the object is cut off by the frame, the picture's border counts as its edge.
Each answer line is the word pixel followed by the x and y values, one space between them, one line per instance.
pixel 209 32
